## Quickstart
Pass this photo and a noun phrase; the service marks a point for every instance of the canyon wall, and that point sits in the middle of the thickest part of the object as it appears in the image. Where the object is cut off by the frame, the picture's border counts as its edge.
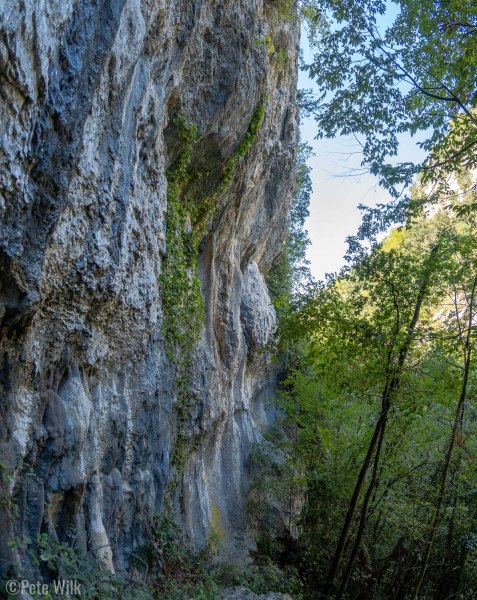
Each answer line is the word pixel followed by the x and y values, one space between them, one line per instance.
pixel 106 108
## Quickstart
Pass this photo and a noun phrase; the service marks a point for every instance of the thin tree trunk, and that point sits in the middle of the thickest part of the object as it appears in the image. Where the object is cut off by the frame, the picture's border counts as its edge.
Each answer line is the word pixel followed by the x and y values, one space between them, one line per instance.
pixel 335 565
pixel 377 440
pixel 455 428
pixel 386 405
pixel 364 514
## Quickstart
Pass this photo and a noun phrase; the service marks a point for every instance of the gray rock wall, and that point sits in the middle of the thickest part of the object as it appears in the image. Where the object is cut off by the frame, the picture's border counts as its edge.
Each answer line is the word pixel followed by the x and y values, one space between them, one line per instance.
pixel 89 421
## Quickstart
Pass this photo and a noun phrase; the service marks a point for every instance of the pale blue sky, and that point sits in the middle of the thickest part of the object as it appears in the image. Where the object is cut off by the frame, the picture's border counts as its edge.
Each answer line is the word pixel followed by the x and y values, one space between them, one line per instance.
pixel 336 192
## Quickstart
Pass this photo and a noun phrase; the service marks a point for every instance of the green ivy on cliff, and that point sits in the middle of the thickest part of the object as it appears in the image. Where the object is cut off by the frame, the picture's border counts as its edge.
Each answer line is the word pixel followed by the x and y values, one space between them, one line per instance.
pixel 244 145
pixel 188 214
pixel 181 298
pixel 190 206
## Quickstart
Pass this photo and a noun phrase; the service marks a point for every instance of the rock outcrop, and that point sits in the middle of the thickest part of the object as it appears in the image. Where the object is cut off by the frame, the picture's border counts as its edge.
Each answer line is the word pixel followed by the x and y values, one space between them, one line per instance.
pixel 241 593
pixel 93 94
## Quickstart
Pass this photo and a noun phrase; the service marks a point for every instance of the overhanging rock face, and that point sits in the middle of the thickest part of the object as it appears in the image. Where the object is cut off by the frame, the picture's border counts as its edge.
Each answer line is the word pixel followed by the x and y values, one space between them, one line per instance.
pixel 91 94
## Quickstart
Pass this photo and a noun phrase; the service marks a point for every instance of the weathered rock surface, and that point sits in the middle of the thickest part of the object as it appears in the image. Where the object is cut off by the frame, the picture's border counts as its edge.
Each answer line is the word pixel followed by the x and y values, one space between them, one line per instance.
pixel 241 593
pixel 89 422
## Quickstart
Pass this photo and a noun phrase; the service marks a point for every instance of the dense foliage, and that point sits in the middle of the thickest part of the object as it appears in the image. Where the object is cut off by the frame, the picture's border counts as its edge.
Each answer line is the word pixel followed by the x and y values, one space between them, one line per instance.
pixel 383 423
pixel 379 402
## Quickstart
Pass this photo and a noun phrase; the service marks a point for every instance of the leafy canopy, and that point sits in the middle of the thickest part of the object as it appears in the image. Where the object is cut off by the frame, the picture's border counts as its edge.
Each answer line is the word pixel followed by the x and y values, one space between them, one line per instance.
pixel 380 77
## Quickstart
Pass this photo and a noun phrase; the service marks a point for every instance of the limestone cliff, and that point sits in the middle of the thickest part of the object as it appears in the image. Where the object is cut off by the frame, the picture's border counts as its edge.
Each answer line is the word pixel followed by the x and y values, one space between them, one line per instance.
pixel 105 105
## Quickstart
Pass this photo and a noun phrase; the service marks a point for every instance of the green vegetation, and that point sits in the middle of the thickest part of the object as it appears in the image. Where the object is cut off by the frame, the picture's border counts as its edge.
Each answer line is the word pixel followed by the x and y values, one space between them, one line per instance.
pixel 289 281
pixel 244 145
pixel 378 439
pixel 267 43
pixel 182 300
pixel 277 55
pixel 57 561
pixel 380 419
pixel 283 11
pixel 190 205
pixel 389 68
pixel 165 568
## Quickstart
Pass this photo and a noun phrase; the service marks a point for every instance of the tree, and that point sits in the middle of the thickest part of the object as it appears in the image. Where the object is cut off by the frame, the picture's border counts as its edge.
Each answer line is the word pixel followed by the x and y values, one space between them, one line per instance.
pixel 369 408
pixel 399 338
pixel 463 279
pixel 377 82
